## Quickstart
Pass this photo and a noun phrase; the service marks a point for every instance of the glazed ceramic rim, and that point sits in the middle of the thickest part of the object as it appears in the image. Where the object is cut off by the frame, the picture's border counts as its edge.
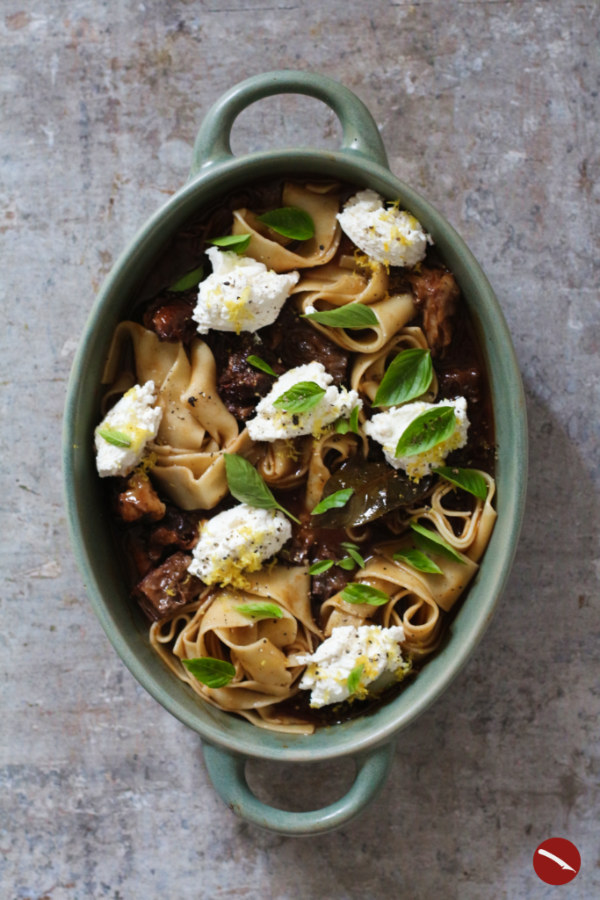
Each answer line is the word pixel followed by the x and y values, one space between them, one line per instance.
pixel 217 727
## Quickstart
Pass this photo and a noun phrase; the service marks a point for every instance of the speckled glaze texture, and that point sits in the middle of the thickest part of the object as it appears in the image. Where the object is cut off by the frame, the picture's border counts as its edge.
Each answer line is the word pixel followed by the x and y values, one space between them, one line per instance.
pixel 488 109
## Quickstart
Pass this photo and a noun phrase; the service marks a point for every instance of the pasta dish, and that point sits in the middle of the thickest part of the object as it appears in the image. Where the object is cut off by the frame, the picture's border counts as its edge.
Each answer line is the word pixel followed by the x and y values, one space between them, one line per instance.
pixel 297 446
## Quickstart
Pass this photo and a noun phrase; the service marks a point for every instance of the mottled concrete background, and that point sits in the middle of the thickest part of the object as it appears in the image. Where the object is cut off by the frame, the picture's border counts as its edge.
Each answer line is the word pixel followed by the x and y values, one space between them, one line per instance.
pixel 489 108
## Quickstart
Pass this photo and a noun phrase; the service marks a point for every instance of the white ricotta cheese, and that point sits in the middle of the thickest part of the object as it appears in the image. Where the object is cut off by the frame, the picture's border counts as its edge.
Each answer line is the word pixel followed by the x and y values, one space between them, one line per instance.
pixel 387 427
pixel 386 234
pixel 374 648
pixel 271 423
pixel 134 418
pixel 238 540
pixel 240 294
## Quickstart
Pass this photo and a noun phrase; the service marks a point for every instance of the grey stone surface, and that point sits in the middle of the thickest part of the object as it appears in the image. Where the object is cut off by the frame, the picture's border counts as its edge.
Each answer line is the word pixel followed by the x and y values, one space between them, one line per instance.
pixel 490 109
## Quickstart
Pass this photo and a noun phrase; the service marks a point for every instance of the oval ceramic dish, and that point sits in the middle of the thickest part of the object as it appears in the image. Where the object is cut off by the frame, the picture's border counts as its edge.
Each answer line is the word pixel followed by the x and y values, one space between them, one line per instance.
pixel 228 740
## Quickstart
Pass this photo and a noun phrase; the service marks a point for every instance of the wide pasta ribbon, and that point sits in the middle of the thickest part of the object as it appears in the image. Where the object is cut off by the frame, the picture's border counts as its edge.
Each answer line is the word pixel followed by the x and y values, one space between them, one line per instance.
pixel 196 428
pixel 262 650
pixel 339 284
pixel 321 202
pixel 477 522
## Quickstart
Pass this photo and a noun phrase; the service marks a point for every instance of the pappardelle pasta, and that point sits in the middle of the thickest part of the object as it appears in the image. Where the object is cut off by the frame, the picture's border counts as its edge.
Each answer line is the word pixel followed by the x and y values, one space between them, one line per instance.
pixel 297 443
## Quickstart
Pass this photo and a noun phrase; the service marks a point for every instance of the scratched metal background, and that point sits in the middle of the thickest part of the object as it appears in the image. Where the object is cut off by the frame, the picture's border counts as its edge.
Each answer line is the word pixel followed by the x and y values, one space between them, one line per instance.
pixel 488 107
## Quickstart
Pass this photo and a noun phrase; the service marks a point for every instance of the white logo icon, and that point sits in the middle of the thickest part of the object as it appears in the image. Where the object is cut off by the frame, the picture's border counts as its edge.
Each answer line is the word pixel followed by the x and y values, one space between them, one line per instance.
pixel 557 859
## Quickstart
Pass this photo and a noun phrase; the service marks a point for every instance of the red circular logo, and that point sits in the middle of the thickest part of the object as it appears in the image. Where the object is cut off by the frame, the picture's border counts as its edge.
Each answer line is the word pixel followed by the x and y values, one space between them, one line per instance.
pixel 556 861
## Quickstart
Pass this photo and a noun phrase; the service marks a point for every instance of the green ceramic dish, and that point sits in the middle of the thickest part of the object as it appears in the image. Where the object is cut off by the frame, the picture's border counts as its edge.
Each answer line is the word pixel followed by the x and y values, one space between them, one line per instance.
pixel 229 741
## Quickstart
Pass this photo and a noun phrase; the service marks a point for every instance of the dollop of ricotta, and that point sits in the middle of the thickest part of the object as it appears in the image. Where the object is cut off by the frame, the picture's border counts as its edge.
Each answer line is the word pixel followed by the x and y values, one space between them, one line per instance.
pixel 240 294
pixel 236 541
pixel 271 423
pixel 387 428
pixel 134 417
pixel 374 648
pixel 387 235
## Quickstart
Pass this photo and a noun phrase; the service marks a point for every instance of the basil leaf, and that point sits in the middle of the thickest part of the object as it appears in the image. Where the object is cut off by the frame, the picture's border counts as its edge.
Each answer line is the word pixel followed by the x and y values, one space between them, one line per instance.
pixel 418 560
pixel 259 363
pixel 343 426
pixel 188 281
pixel 322 565
pixel 408 376
pixel 354 678
pixel 261 610
pixel 426 431
pixel 347 563
pixel 353 420
pixel 364 593
pixel 355 555
pixel 468 479
pixel 429 540
pixel 301 397
pixel 247 486
pixel 333 501
pixel 114 437
pixel 353 315
pixel 290 221
pixel 214 673
pixel 237 242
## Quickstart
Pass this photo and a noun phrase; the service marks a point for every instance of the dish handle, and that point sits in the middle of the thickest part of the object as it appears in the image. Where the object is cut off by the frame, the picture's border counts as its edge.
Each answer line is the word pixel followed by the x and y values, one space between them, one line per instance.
pixel 227 773
pixel 359 130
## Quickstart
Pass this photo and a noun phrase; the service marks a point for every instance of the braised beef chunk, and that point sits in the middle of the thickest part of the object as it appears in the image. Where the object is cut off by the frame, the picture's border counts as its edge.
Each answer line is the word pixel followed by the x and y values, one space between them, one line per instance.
pixel 296 342
pixel 437 295
pixel 170 316
pixel 241 385
pixel 329 583
pixel 311 544
pixel 139 500
pixel 177 528
pixel 168 586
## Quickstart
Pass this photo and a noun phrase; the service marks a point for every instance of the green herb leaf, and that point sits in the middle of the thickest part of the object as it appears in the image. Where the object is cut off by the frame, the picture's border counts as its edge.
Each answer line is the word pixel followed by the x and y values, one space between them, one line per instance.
pixel 333 501
pixel 192 279
pixel 261 610
pixel 247 486
pixel 347 563
pixel 354 678
pixel 418 560
pixel 323 565
pixel 214 673
pixel 364 593
pixel 114 437
pixel 408 376
pixel 290 221
pixel 353 315
pixel 343 426
pixel 355 555
pixel 259 363
pixel 430 541
pixel 237 242
pixel 426 431
pixel 353 420
pixel 302 397
pixel 468 479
